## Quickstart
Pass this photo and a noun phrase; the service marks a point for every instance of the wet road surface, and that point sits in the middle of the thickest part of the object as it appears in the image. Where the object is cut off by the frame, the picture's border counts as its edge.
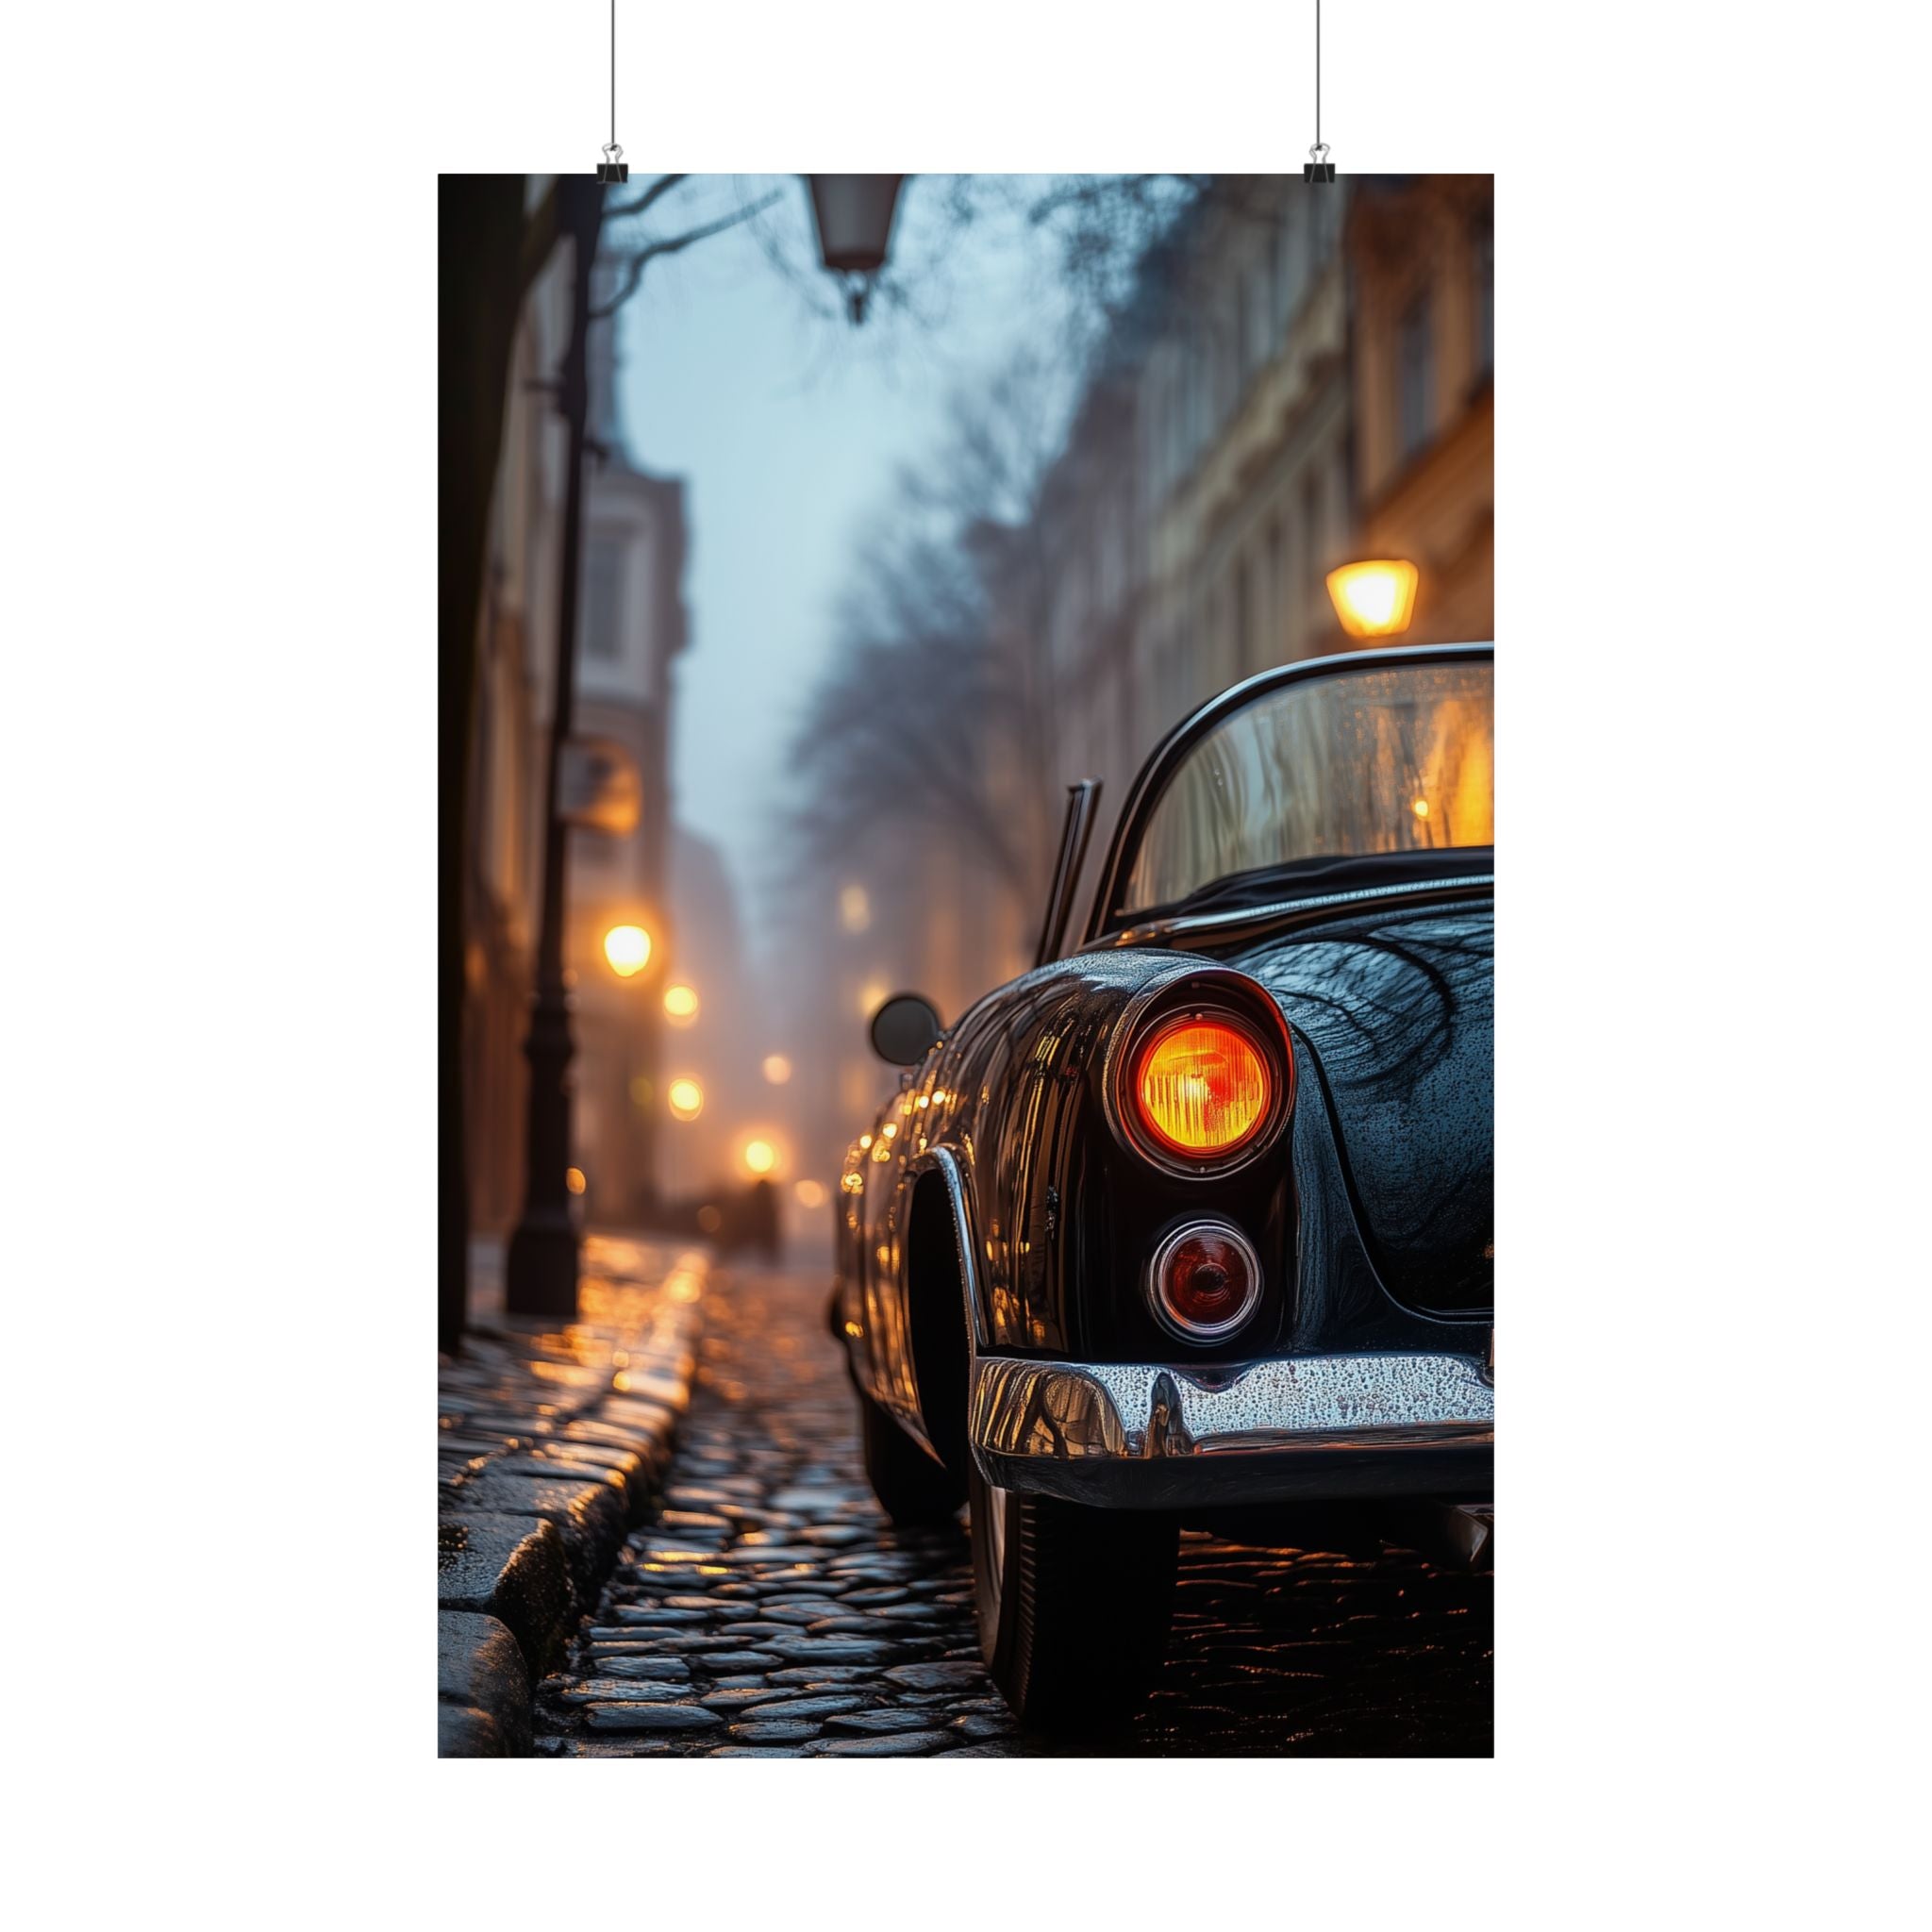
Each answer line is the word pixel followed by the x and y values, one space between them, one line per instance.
pixel 771 1609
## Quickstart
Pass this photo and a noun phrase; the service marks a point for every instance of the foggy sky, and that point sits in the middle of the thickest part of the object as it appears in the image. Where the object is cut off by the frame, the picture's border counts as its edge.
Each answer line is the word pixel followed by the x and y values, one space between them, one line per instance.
pixel 787 428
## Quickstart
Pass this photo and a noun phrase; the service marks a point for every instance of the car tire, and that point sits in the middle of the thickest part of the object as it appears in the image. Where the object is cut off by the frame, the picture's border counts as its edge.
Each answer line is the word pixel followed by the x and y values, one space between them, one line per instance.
pixel 1073 1603
pixel 911 1488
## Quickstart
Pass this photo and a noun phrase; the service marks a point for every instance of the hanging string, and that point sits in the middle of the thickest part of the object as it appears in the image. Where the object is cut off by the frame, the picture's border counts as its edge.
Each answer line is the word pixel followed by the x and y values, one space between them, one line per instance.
pixel 1319 168
pixel 613 168
pixel 614 70
pixel 1318 72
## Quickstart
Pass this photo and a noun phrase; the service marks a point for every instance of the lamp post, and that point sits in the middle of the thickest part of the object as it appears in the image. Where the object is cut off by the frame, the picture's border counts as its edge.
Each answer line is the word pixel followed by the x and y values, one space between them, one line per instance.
pixel 853 216
pixel 540 1275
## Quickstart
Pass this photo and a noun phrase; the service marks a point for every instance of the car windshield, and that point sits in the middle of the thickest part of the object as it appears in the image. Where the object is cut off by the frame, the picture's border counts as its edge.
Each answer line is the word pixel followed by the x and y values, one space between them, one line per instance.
pixel 1384 760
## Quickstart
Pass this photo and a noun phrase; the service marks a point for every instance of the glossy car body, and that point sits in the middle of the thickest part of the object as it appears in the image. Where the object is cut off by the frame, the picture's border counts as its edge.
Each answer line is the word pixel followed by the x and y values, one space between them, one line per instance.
pixel 997 1223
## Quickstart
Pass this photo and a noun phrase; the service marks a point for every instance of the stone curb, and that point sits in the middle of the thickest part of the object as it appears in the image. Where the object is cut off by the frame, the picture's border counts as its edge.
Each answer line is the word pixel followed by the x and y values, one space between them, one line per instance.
pixel 553 1445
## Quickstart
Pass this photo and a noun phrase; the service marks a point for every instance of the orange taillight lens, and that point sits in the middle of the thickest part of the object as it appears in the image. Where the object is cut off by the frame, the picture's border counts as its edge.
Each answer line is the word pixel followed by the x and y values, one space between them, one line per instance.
pixel 1202 1086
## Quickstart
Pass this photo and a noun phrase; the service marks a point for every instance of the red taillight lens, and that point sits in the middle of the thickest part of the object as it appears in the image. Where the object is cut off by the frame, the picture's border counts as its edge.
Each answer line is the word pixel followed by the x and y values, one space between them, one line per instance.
pixel 1202 1086
pixel 1206 1280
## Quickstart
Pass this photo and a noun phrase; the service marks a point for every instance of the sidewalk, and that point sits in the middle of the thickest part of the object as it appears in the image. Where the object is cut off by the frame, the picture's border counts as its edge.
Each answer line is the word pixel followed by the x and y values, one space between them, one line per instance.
pixel 550 1445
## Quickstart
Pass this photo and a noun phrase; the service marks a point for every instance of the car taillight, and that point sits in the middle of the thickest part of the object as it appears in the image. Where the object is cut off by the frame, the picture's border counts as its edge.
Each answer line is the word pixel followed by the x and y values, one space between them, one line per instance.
pixel 1201 1086
pixel 1205 1280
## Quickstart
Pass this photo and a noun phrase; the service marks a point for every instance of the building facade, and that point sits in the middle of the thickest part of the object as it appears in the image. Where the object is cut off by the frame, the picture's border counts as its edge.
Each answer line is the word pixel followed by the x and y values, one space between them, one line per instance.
pixel 1420 254
pixel 631 624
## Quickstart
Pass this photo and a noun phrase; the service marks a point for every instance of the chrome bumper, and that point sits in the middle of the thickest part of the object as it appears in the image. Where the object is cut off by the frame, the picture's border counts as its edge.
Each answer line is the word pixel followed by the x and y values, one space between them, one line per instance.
pixel 1307 1427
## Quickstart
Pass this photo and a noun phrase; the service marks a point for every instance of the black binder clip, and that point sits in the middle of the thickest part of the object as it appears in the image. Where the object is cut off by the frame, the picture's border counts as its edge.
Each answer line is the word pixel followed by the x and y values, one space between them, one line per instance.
pixel 1322 170
pixel 613 168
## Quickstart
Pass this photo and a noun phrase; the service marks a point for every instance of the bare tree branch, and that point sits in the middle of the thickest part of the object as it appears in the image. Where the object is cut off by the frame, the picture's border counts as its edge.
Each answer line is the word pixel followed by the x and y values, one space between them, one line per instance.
pixel 929 726
pixel 651 252
pixel 655 192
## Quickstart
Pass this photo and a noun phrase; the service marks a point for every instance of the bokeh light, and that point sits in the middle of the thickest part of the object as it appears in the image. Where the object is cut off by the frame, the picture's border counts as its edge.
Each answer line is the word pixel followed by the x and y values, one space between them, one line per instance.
pixel 687 1098
pixel 778 1069
pixel 680 1005
pixel 629 950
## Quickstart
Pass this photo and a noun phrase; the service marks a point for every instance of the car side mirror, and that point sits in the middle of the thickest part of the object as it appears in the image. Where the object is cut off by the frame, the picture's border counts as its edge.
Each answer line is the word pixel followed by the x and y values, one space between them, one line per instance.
pixel 903 1028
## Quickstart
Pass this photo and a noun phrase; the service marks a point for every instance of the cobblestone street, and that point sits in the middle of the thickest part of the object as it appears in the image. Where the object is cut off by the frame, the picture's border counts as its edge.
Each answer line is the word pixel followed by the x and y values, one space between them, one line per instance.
pixel 771 1610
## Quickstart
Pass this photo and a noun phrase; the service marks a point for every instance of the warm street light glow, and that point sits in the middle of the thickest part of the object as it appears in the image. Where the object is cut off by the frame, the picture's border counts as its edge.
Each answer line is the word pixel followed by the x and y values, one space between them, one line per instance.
pixel 680 1005
pixel 854 909
pixel 574 1179
pixel 1375 599
pixel 628 949
pixel 687 1098
pixel 761 1156
pixel 778 1069
pixel 1421 807
pixel 810 1193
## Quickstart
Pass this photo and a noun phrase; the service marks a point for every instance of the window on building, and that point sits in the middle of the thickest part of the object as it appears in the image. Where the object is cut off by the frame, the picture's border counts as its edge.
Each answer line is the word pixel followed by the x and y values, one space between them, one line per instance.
pixel 1482 271
pixel 1274 597
pixel 603 593
pixel 1313 557
pixel 1257 299
pixel 1415 401
pixel 1294 249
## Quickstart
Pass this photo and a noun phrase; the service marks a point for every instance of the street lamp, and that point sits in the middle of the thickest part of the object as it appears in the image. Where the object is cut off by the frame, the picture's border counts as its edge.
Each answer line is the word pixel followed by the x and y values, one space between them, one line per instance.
pixel 853 216
pixel 629 950
pixel 1374 598
pixel 541 1269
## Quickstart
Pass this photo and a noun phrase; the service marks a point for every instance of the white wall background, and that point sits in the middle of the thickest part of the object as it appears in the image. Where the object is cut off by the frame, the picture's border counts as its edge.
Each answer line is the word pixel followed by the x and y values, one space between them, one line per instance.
pixel 217 795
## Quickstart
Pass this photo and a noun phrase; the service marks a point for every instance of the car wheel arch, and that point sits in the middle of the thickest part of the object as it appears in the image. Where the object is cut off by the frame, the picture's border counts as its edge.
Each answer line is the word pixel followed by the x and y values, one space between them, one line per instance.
pixel 942 1305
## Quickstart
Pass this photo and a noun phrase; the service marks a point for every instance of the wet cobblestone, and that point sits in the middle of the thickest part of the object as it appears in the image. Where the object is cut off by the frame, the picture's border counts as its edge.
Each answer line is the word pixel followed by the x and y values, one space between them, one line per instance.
pixel 772 1612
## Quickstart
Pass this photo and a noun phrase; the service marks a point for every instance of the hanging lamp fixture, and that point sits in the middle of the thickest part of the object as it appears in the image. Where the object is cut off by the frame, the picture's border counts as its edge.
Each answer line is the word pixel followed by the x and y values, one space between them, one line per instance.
pixel 613 168
pixel 1318 167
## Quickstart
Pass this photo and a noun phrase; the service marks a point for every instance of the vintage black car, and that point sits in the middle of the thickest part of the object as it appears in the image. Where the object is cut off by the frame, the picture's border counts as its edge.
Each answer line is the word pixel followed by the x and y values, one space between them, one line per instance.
pixel 1191 1226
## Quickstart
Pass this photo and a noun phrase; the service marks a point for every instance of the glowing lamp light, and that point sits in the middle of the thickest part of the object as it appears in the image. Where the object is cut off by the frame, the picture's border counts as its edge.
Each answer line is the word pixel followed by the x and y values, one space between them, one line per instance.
pixel 1202 1086
pixel 1377 598
pixel 809 1193
pixel 574 1179
pixel 680 1005
pixel 761 1156
pixel 854 909
pixel 629 950
pixel 685 1098
pixel 778 1069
